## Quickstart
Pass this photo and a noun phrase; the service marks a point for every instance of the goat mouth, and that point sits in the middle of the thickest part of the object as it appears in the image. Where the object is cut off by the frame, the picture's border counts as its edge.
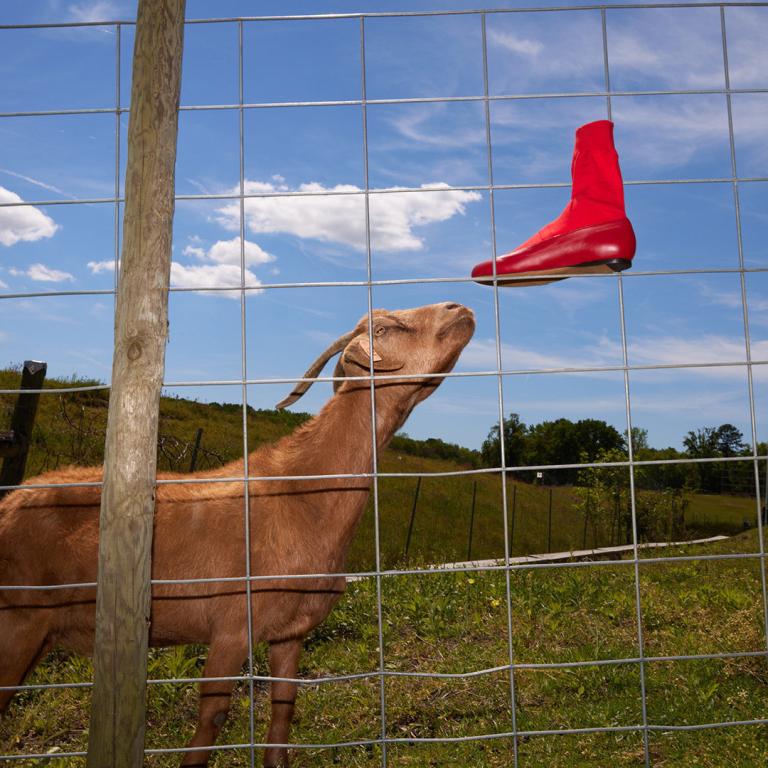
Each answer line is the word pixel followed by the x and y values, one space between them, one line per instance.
pixel 465 321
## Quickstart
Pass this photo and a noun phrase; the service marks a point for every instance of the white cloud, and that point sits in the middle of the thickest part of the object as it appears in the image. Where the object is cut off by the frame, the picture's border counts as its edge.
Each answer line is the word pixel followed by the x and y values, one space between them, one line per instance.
pixel 210 276
pixel 756 303
pixel 515 43
pixel 480 354
pixel 228 252
pixel 97 267
pixel 221 270
pixel 670 131
pixel 673 56
pixel 708 348
pixel 340 218
pixel 42 274
pixel 747 30
pixel 545 54
pixel 653 131
pixel 670 49
pixel 433 127
pixel 194 250
pixel 22 222
pixel 36 182
pixel 98 10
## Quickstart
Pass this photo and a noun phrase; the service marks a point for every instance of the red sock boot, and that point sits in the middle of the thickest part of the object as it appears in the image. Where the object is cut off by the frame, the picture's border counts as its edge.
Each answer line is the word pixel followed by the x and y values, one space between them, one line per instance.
pixel 591 235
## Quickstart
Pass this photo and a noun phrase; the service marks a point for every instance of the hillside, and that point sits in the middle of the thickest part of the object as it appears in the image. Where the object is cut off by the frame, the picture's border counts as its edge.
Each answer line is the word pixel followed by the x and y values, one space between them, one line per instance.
pixel 70 429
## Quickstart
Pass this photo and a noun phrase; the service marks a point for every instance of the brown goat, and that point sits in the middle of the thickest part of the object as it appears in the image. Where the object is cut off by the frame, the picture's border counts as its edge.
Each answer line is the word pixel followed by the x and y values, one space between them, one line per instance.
pixel 50 535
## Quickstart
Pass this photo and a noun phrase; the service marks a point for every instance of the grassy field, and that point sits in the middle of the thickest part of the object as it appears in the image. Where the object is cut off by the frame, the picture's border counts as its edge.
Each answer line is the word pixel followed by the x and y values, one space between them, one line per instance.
pixel 445 505
pixel 457 622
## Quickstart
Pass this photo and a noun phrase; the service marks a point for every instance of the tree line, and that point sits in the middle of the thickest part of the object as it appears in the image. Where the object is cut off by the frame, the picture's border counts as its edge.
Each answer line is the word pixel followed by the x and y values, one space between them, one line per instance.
pixel 563 441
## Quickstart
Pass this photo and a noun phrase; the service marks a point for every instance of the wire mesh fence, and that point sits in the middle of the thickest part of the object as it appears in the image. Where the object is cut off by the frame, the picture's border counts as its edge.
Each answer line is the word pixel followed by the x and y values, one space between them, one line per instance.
pixel 519 725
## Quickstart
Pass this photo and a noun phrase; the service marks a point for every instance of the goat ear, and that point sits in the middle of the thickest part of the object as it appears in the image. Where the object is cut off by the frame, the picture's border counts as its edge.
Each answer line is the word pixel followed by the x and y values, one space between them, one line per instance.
pixel 338 374
pixel 359 352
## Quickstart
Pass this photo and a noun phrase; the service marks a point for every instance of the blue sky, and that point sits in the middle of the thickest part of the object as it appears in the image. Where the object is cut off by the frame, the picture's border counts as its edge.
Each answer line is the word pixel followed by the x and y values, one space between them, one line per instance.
pixel 681 319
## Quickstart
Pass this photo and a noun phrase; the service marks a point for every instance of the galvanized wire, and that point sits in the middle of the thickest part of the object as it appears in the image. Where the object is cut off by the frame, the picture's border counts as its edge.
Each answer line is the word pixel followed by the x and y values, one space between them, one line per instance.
pixel 508 564
pixel 244 394
pixel 393 191
pixel 630 447
pixel 500 391
pixel 745 317
pixel 316 682
pixel 374 440
pixel 398 14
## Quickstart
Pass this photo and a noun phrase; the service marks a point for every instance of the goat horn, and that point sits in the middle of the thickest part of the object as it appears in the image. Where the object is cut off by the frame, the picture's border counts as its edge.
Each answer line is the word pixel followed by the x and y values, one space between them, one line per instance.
pixel 314 369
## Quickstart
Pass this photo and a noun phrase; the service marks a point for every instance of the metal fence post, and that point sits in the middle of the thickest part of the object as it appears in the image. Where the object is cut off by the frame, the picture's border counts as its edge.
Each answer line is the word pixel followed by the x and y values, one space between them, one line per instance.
pixel 472 520
pixel 117 726
pixel 413 517
pixel 549 523
pixel 514 509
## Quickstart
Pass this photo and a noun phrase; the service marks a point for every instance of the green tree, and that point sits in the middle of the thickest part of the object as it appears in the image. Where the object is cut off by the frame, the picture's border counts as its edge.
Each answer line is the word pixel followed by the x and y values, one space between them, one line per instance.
pixel 729 440
pixel 515 433
pixel 715 442
pixel 639 439
pixel 659 477
pixel 567 442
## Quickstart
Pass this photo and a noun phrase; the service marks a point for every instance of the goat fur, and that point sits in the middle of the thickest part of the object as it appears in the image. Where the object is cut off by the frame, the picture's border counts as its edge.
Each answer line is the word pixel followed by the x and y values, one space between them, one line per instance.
pixel 50 535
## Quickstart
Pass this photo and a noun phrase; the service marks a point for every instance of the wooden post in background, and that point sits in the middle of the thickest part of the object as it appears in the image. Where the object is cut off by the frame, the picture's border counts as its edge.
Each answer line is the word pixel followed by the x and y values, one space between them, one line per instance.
pixel 196 449
pixel 14 444
pixel 116 737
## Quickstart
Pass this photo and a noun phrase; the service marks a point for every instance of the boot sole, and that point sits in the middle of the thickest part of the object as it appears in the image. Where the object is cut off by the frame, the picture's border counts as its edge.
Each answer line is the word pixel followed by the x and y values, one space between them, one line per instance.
pixel 542 277
pixel 604 248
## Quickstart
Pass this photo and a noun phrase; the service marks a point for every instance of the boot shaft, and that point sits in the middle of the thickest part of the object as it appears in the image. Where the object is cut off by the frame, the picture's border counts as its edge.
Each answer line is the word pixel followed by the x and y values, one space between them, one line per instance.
pixel 597 191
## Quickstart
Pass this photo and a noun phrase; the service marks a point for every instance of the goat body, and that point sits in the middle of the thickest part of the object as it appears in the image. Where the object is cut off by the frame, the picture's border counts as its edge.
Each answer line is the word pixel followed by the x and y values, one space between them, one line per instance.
pixel 49 536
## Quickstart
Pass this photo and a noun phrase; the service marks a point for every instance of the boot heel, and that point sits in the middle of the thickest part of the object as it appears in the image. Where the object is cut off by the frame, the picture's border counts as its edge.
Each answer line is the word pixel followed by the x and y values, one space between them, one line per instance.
pixel 619 265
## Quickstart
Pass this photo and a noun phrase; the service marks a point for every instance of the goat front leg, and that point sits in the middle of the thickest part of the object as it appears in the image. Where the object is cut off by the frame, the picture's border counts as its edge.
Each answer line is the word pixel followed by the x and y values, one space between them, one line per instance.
pixel 283 662
pixel 23 642
pixel 226 657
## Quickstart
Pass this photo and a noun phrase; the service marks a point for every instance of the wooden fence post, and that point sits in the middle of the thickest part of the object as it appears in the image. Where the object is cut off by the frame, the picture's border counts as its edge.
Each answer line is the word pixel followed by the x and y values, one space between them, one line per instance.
pixel 116 736
pixel 14 445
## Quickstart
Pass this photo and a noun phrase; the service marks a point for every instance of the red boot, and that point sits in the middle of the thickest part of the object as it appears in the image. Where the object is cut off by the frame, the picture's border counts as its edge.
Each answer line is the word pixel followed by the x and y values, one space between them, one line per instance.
pixel 592 234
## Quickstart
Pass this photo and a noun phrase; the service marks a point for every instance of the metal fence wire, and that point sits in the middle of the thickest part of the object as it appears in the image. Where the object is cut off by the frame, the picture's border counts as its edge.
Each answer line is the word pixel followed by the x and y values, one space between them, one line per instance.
pixel 508 666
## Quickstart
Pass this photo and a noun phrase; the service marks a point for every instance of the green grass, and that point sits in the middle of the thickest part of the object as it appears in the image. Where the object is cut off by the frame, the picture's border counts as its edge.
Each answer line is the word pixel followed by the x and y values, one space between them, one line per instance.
pixel 710 512
pixel 457 622
pixel 450 622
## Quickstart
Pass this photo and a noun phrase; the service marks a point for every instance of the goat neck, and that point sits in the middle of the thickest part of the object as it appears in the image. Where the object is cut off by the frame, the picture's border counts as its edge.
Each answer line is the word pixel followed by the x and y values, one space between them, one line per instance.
pixel 338 439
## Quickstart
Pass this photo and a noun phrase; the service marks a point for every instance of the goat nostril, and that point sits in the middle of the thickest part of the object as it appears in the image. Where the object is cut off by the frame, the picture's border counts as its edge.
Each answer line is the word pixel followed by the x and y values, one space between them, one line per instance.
pixel 452 306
